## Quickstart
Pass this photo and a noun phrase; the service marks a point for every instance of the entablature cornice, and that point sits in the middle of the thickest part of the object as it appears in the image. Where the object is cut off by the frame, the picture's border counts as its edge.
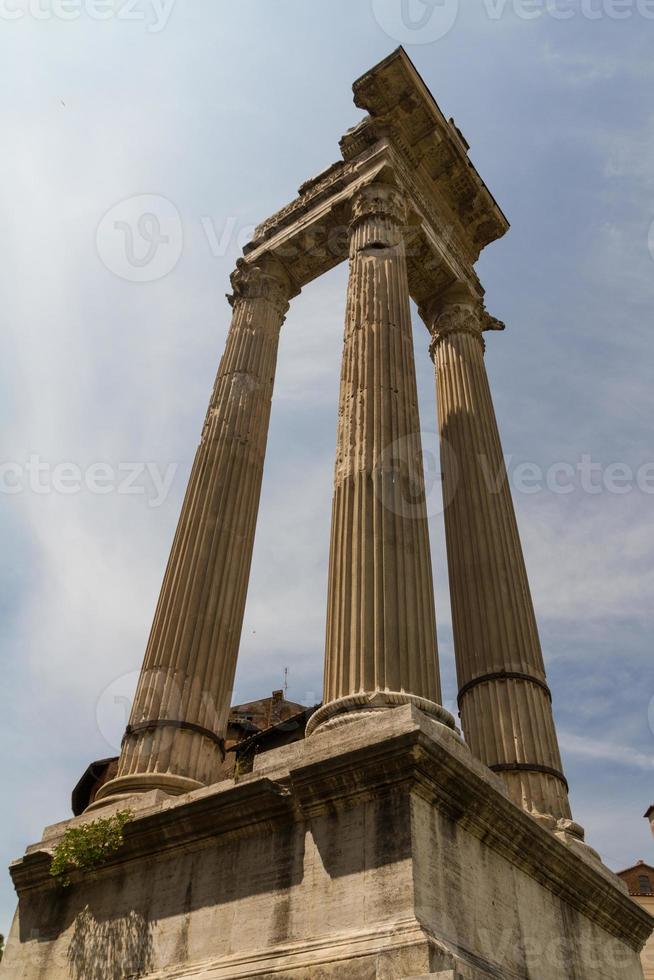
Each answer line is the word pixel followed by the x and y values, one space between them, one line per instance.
pixel 407 140
pixel 402 109
pixel 310 236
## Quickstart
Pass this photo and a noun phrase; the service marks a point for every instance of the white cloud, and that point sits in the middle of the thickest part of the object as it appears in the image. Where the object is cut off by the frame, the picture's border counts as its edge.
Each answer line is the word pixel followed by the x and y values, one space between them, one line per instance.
pixel 590 558
pixel 580 68
pixel 590 748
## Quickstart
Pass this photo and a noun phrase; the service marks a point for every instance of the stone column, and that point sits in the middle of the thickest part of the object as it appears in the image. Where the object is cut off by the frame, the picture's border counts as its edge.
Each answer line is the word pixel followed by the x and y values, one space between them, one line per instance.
pixel 381 629
pixel 174 741
pixel 504 700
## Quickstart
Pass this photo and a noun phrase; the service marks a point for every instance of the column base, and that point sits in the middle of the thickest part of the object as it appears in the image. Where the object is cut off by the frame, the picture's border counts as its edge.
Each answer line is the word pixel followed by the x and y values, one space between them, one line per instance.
pixel 125 787
pixel 354 707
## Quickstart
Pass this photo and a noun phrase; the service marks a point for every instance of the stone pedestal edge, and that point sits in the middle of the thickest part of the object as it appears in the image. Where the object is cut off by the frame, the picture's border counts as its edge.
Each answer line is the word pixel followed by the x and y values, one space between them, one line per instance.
pixel 399 750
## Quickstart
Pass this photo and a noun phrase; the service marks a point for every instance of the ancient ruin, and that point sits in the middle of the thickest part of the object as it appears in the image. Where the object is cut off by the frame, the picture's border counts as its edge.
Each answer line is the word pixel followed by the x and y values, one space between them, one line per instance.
pixel 384 844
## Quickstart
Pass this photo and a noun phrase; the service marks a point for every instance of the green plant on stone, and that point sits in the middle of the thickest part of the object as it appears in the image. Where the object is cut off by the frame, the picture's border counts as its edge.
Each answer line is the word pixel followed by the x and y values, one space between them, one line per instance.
pixel 88 846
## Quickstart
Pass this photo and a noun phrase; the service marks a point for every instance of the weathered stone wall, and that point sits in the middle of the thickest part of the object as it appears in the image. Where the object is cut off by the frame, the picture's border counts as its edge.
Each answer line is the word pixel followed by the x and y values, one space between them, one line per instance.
pixel 382 850
pixel 482 906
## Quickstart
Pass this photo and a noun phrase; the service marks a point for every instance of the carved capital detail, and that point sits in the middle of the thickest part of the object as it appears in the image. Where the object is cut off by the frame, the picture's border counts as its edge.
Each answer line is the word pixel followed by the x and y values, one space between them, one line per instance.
pixel 458 318
pixel 379 201
pixel 267 280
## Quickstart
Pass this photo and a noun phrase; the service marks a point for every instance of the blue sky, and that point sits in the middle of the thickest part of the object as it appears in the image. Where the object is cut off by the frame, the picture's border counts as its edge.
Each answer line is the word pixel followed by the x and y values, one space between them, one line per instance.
pixel 223 109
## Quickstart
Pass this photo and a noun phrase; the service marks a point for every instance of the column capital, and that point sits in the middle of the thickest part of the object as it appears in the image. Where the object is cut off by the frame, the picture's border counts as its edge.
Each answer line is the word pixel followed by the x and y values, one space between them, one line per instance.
pixel 379 200
pixel 267 280
pixel 457 314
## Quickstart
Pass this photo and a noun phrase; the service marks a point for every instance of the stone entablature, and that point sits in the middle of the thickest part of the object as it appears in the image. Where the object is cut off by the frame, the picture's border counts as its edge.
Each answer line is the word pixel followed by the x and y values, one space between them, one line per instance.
pixel 407 130
pixel 452 214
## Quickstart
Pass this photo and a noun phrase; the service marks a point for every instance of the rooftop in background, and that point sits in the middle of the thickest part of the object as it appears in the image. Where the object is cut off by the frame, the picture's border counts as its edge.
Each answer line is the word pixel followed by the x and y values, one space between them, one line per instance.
pixel 255 716
pixel 639 879
pixel 266 717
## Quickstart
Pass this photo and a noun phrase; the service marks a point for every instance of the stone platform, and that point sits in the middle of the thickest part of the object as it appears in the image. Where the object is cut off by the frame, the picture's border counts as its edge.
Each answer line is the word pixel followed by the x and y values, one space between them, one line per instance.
pixel 380 849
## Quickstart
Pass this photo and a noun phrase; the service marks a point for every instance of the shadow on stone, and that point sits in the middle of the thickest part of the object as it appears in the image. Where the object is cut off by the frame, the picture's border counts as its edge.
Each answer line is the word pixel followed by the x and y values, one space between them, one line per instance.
pixel 378 836
pixel 110 950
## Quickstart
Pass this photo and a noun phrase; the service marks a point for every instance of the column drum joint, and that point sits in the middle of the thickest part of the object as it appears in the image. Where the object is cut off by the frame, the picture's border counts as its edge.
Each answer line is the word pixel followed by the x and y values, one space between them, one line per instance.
pixel 502 675
pixel 185 726
pixel 530 767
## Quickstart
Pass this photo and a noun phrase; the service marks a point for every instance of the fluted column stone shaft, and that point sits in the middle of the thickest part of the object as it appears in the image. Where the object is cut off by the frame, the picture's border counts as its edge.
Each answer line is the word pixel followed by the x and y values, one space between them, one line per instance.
pixel 505 704
pixel 381 628
pixel 188 672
